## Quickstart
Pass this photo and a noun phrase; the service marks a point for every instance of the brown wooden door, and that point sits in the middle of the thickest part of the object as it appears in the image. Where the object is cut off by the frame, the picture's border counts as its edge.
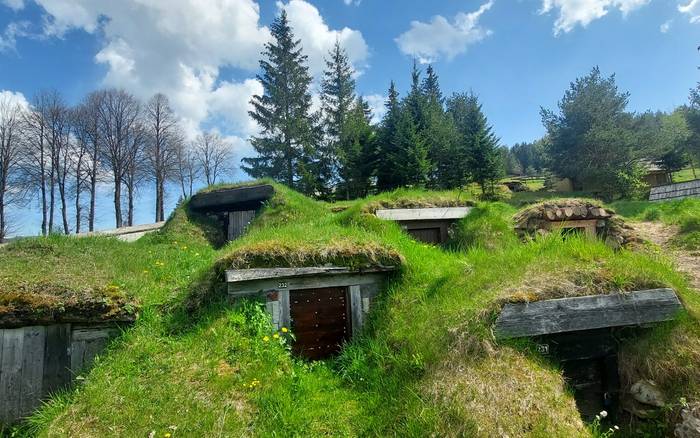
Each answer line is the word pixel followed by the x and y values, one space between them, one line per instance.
pixel 319 321
pixel 427 235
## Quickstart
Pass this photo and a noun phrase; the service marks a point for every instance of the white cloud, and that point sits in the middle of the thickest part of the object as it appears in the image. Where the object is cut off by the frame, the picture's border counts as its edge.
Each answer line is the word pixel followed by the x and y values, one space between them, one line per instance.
pixel 14 97
pixel 440 38
pixel 666 26
pixel 318 39
pixel 692 9
pixel 14 30
pixel 376 103
pixel 582 12
pixel 352 2
pixel 179 47
pixel 14 4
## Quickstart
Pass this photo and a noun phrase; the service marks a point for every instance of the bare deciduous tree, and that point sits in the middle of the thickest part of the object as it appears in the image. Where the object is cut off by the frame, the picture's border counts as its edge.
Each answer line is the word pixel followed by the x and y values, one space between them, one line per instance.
pixel 11 150
pixel 214 155
pixel 187 168
pixel 162 143
pixel 86 128
pixel 119 114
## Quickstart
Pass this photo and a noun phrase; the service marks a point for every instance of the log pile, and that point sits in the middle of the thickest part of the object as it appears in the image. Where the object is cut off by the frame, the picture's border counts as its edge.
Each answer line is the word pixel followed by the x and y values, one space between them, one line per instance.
pixel 538 219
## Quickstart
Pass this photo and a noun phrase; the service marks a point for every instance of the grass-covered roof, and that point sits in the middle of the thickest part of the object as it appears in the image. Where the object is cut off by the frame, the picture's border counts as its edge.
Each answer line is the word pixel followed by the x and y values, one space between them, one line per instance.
pixel 427 363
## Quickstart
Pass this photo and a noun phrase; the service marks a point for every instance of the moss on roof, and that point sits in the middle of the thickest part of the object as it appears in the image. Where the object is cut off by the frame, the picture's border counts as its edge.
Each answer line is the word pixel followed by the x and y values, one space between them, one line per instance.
pixel 283 254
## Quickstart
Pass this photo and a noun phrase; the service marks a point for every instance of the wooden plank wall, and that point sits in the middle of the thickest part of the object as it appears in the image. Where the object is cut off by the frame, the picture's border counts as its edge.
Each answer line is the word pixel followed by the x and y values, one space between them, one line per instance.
pixel 238 221
pixel 36 361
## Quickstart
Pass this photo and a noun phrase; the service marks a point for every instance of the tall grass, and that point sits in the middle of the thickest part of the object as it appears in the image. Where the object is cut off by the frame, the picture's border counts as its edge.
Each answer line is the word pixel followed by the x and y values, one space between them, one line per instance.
pixel 426 363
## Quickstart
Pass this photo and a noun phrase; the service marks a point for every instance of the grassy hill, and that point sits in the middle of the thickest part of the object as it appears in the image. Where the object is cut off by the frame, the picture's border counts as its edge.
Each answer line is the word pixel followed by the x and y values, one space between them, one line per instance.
pixel 427 364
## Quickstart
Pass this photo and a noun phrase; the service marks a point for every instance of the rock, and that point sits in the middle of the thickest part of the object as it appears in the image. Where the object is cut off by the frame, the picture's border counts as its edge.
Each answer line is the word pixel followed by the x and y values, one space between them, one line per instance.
pixel 637 409
pixel 689 426
pixel 646 392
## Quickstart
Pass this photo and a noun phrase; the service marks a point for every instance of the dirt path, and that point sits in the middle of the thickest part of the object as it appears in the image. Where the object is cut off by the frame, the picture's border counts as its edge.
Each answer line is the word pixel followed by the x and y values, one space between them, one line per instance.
pixel 660 234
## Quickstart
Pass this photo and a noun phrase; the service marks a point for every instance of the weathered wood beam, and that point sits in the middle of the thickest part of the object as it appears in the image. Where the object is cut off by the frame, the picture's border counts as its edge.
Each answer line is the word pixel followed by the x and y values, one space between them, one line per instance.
pixel 413 214
pixel 239 198
pixel 236 275
pixel 587 313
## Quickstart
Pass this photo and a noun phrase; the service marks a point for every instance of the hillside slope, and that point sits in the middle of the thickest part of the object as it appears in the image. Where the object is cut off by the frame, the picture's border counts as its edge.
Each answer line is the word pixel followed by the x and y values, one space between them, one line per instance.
pixel 194 365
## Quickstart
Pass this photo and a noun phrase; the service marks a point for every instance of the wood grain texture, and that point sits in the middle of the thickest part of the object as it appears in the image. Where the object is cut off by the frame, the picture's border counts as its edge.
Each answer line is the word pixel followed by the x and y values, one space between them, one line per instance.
pixel 236 275
pixel 319 321
pixel 244 288
pixel 56 358
pixel 238 222
pixel 413 214
pixel 33 346
pixel 11 377
pixel 587 313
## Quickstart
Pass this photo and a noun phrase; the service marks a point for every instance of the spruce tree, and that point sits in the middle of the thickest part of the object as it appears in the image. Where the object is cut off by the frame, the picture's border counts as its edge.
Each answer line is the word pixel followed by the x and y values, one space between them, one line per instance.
pixel 357 152
pixel 384 166
pixel 285 146
pixel 477 146
pixel 409 154
pixel 337 101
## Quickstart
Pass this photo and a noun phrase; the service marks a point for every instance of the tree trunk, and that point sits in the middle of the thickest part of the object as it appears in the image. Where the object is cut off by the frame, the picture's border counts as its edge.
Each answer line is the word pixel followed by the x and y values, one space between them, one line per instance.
pixel 130 212
pixel 117 201
pixel 77 198
pixel 64 207
pixel 52 194
pixel 3 225
pixel 42 179
pixel 161 206
pixel 93 189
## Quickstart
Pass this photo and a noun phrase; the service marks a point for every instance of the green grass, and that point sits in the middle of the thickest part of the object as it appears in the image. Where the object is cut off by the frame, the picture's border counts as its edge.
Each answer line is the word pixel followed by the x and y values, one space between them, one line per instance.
pixel 426 364
pixel 685 175
pixel 685 214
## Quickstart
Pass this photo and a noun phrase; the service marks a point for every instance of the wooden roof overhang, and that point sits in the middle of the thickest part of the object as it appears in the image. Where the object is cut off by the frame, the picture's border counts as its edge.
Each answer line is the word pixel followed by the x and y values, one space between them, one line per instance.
pixel 423 214
pixel 246 281
pixel 232 199
pixel 638 308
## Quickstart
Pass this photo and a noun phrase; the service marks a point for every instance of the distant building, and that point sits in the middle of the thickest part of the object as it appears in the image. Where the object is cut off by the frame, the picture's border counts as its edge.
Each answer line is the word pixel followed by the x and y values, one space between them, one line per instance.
pixel 654 176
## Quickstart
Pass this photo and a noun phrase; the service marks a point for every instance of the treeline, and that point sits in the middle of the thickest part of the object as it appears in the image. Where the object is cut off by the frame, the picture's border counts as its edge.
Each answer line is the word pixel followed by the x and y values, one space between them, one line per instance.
pixel 61 155
pixel 596 142
pixel 423 139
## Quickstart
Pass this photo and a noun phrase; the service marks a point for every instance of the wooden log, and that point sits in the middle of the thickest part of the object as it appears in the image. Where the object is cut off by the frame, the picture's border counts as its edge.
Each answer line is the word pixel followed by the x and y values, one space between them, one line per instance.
pixel 587 313
pixel 568 212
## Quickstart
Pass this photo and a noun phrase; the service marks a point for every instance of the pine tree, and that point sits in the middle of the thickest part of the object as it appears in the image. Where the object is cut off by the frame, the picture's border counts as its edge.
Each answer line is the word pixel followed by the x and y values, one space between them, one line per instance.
pixel 357 152
pixel 477 146
pixel 384 166
pixel 337 101
pixel 285 146
pixel 415 102
pixel 431 89
pixel 409 154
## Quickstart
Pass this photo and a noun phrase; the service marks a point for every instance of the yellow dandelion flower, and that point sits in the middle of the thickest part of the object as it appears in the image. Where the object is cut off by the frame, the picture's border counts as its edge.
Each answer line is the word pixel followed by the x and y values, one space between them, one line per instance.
pixel 166 434
pixel 266 338
pixel 275 336
pixel 284 330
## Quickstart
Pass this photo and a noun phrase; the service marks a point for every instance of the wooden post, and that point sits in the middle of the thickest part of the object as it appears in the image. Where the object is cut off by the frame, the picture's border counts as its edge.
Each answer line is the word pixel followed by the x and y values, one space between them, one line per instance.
pixel 356 317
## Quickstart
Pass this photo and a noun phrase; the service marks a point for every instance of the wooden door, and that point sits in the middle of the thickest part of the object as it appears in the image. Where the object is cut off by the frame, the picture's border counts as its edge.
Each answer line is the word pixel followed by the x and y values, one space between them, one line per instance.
pixel 427 235
pixel 319 321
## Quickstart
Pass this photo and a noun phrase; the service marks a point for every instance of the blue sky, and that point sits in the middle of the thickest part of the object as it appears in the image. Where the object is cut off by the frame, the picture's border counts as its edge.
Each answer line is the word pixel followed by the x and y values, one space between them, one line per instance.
pixel 517 55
